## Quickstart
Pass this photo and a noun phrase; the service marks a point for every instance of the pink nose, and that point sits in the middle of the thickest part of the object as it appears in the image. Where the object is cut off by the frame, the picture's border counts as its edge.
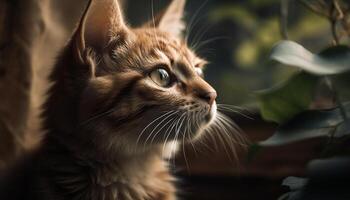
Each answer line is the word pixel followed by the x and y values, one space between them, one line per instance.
pixel 208 97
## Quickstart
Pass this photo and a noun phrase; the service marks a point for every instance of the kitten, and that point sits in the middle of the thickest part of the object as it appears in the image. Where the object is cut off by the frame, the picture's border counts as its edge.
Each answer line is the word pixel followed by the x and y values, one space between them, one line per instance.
pixel 119 97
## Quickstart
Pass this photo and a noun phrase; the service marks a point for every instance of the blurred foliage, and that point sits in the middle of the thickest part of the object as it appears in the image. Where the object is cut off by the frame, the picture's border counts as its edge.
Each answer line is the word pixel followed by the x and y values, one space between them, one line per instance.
pixel 257 28
pixel 290 105
pixel 234 12
pixel 282 103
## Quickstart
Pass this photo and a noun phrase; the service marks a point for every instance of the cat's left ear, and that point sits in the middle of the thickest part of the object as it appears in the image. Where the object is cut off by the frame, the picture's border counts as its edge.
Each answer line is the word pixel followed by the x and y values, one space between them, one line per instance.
pixel 101 21
pixel 172 19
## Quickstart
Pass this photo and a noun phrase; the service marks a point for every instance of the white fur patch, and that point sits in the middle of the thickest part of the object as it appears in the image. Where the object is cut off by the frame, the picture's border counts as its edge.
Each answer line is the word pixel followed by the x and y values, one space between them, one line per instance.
pixel 170 149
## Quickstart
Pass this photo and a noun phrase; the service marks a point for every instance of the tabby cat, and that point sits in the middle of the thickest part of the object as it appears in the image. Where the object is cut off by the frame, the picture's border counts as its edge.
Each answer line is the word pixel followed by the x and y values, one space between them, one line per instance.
pixel 120 96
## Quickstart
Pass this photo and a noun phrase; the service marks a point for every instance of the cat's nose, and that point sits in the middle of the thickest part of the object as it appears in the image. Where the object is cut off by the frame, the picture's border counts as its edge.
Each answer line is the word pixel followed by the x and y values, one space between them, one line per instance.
pixel 208 97
pixel 203 91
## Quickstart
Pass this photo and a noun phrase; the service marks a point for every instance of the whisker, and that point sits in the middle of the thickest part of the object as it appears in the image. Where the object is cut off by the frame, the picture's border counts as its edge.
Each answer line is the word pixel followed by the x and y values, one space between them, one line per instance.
pixel 230 109
pixel 96 117
pixel 167 133
pixel 154 22
pixel 199 35
pixel 223 104
pixel 226 143
pixel 235 129
pixel 233 107
pixel 227 125
pixel 212 137
pixel 152 13
pixel 193 21
pixel 140 135
pixel 155 135
pixel 203 43
pixel 174 124
pixel 183 144
pixel 165 118
pixel 193 114
pixel 228 134
pixel 178 132
pixel 202 143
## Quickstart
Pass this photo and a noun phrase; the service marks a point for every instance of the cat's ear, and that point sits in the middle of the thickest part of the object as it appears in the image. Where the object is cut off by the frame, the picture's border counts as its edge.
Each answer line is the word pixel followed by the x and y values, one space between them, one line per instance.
pixel 172 19
pixel 101 21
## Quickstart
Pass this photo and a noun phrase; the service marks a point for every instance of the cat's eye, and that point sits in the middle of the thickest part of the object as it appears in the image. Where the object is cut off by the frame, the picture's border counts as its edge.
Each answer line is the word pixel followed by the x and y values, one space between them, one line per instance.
pixel 199 71
pixel 161 77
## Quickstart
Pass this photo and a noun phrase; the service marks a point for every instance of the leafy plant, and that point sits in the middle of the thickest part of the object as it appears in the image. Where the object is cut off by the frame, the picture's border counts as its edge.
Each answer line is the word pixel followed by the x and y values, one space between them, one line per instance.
pixel 289 105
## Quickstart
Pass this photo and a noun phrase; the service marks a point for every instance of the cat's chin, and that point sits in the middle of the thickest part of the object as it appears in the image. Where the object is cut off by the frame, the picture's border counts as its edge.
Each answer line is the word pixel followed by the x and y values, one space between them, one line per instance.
pixel 210 117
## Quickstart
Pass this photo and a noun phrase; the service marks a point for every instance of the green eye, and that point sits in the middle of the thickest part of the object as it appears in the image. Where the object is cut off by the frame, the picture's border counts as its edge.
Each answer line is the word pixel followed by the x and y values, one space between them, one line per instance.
pixel 161 77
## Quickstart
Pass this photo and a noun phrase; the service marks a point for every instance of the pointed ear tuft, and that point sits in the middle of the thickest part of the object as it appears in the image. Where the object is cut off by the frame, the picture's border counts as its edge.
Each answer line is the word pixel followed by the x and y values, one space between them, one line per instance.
pixel 172 20
pixel 101 21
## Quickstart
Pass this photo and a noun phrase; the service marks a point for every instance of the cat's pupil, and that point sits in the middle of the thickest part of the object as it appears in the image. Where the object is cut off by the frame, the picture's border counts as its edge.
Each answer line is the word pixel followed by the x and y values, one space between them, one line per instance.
pixel 163 75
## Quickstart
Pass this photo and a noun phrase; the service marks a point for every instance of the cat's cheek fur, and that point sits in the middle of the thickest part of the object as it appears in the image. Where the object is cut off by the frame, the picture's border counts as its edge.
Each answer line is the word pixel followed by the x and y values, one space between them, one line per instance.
pixel 93 97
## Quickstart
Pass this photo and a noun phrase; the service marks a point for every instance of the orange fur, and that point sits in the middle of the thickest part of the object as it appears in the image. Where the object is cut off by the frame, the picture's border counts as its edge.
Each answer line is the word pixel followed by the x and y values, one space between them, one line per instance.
pixel 101 142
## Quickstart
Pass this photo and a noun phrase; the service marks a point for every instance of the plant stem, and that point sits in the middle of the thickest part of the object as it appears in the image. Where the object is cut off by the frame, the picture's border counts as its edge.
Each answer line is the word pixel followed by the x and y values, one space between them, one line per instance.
pixel 284 19
pixel 334 31
pixel 337 7
pixel 334 13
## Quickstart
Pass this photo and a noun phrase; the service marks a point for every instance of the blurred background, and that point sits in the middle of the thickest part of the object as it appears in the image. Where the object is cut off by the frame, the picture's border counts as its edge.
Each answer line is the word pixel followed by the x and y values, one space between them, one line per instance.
pixel 236 37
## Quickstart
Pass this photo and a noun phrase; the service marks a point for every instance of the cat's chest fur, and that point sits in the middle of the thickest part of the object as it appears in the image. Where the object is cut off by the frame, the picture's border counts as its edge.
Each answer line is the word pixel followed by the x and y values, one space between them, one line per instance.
pixel 140 177
pixel 51 176
pixel 133 180
pixel 155 184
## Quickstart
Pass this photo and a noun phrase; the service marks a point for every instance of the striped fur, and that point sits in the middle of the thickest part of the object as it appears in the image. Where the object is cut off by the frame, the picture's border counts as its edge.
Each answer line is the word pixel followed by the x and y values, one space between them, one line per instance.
pixel 108 124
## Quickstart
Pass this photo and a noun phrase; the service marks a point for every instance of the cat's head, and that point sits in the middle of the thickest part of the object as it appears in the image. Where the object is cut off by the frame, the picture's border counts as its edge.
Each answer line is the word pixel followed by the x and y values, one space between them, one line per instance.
pixel 136 87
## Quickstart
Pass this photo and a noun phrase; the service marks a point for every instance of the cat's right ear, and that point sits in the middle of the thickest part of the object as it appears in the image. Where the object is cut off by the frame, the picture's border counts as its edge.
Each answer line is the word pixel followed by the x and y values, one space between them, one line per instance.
pixel 102 20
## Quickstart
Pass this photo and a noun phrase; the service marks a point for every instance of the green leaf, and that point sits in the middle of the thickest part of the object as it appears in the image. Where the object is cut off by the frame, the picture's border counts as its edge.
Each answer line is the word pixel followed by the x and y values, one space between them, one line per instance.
pixel 334 60
pixel 289 99
pixel 311 124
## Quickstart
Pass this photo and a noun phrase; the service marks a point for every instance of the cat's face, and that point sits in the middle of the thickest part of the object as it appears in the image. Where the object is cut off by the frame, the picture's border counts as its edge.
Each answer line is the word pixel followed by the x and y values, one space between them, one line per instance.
pixel 146 86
